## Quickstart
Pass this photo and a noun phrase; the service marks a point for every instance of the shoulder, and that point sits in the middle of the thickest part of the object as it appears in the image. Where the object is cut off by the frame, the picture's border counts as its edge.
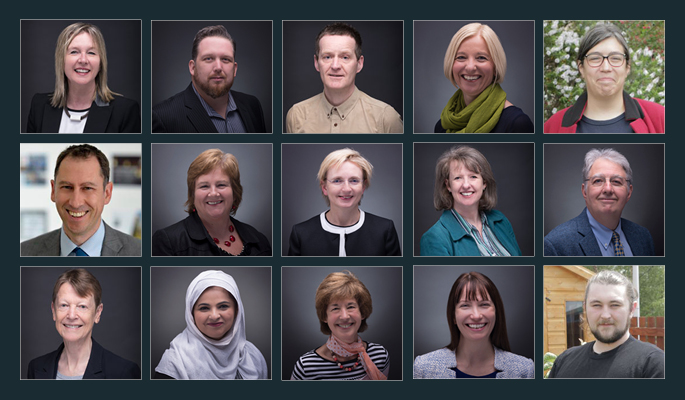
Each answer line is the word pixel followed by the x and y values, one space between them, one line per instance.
pixel 43 367
pixel 377 221
pixel 514 120
pixel 312 224
pixel 252 235
pixel 651 107
pixel 435 364
pixel 565 229
pixel 633 227
pixel 244 97
pixel 374 103
pixel 513 365
pixel 387 115
pixel 553 124
pixel 116 367
pixel 304 105
pixel 172 102
pixel 131 246
pixel 42 245
pixel 121 102
pixel 41 98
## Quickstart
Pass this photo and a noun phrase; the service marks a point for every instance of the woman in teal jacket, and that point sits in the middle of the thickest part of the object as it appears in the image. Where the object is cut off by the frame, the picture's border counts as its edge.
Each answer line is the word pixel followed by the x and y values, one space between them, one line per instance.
pixel 466 192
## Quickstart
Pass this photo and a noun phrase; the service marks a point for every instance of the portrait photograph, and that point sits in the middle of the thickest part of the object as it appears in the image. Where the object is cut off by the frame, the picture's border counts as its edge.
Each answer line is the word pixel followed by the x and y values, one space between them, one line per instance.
pixel 190 219
pixel 508 45
pixel 435 289
pixel 640 202
pixel 172 50
pixel 305 197
pixel 51 48
pixel 381 76
pixel 114 325
pixel 309 308
pixel 223 327
pixel 511 218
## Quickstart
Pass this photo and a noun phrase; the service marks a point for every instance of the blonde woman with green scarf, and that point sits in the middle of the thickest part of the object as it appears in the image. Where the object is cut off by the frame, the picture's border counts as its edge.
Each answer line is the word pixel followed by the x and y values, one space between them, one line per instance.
pixel 475 63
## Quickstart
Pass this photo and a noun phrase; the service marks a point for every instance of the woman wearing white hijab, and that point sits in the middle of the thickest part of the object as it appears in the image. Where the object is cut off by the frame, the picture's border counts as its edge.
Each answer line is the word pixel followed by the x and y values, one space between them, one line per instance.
pixel 213 344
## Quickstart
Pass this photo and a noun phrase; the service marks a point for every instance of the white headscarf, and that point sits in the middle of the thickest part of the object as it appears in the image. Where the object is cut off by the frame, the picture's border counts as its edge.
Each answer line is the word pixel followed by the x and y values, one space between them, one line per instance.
pixel 192 355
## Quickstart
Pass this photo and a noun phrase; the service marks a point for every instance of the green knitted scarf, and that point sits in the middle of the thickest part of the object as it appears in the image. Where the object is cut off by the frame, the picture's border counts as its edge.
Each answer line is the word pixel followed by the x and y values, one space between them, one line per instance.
pixel 480 116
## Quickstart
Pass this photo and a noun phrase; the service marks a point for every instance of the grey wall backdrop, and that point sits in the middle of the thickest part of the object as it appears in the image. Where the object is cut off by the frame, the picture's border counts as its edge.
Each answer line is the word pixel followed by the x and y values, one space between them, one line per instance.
pixel 513 167
pixel 383 71
pixel 169 172
pixel 432 89
pixel 119 330
pixel 168 287
pixel 301 194
pixel 563 165
pixel 432 285
pixel 38 40
pixel 301 328
pixel 172 43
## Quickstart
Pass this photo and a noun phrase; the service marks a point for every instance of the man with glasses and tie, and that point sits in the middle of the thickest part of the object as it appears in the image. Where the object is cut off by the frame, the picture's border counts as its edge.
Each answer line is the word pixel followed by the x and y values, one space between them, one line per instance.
pixel 80 190
pixel 599 230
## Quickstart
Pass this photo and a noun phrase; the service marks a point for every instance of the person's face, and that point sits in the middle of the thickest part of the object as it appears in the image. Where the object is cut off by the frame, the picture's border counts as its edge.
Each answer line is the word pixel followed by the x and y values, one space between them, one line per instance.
pixel 475 318
pixel 74 315
pixel 609 199
pixel 80 195
pixel 344 319
pixel 215 67
pixel 213 195
pixel 473 69
pixel 337 62
pixel 608 312
pixel 466 186
pixel 605 80
pixel 82 61
pixel 214 312
pixel 344 186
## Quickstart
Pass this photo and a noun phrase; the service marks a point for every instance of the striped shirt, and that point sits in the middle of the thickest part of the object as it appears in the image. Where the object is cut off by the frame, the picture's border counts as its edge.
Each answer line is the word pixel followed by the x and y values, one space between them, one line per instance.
pixel 487 243
pixel 311 366
pixel 231 122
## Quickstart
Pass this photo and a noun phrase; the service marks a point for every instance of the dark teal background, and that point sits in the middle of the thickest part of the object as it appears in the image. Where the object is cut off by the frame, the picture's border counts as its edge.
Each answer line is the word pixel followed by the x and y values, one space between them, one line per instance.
pixel 349 11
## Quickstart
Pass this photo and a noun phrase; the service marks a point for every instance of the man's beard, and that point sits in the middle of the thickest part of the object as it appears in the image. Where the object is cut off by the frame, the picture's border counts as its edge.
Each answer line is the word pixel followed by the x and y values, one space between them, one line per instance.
pixel 214 90
pixel 611 338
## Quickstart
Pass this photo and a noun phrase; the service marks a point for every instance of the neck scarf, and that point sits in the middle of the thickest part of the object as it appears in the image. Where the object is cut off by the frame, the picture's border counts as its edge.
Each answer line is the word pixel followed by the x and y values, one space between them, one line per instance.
pixel 341 230
pixel 480 116
pixel 192 355
pixel 343 349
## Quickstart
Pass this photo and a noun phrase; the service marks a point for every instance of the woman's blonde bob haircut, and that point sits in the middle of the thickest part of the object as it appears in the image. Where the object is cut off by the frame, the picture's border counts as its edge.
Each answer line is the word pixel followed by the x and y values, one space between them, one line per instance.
pixel 336 159
pixel 59 97
pixel 474 161
pixel 341 286
pixel 499 58
pixel 204 164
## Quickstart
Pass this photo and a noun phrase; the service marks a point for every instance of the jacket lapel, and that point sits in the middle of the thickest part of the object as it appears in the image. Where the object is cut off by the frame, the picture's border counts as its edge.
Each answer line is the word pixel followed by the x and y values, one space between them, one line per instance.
pixel 588 242
pixel 51 119
pixel 94 368
pixel 196 114
pixel 111 245
pixel 98 118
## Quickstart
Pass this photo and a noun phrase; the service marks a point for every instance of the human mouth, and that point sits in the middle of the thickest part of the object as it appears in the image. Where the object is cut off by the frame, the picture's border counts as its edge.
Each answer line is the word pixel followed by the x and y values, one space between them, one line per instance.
pixel 77 214
pixel 213 203
pixel 467 194
pixel 471 77
pixel 72 326
pixel 82 71
pixel 216 324
pixel 476 326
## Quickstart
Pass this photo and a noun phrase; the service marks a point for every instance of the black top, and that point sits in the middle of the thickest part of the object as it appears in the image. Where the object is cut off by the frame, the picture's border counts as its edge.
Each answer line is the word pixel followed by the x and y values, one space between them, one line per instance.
pixel 512 120
pixel 190 238
pixel 377 237
pixel 103 364
pixel 613 125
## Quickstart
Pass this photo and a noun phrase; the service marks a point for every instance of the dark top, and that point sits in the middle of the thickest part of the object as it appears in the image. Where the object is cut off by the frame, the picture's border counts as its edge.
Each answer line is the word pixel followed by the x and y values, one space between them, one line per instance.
pixel 512 120
pixel 632 359
pixel 377 237
pixel 190 238
pixel 103 364
pixel 121 115
pixel 183 113
pixel 614 125
pixel 459 374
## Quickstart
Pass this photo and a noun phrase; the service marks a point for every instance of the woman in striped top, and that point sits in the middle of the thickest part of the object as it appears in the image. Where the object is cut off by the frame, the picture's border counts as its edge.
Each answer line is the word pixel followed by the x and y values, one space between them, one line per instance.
pixel 466 192
pixel 343 304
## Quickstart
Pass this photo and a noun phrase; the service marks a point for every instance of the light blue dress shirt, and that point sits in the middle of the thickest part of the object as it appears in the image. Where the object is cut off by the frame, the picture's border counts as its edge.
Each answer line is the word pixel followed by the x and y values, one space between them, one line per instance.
pixel 603 236
pixel 92 246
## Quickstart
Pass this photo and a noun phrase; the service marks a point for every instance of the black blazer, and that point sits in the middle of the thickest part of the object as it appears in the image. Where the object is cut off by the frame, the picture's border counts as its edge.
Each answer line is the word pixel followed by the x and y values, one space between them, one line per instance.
pixel 122 115
pixel 183 113
pixel 103 364
pixel 190 238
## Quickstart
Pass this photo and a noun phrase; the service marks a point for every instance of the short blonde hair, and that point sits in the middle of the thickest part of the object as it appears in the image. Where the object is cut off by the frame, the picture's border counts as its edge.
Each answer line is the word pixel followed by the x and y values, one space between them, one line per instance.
pixel 205 163
pixel 337 158
pixel 339 286
pixel 474 161
pixel 499 58
pixel 59 97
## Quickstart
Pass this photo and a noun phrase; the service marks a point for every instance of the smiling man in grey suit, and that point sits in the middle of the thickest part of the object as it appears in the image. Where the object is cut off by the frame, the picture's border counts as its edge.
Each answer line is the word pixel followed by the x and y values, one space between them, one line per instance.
pixel 80 190
pixel 599 230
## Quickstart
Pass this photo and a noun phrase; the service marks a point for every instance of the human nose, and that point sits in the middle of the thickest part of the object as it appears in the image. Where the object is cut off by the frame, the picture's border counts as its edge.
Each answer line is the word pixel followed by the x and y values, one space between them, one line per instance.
pixel 71 313
pixel 607 186
pixel 76 199
pixel 605 66
pixel 344 314
pixel 335 62
pixel 475 313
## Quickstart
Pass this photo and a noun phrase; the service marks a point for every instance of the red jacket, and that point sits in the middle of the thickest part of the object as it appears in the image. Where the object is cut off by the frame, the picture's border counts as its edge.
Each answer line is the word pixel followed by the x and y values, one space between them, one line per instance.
pixel 644 116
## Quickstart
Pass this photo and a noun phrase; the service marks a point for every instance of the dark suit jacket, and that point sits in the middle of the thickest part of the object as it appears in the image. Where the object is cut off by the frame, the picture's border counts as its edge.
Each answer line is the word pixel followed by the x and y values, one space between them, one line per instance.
pixel 183 113
pixel 190 238
pixel 115 244
pixel 103 364
pixel 575 238
pixel 122 115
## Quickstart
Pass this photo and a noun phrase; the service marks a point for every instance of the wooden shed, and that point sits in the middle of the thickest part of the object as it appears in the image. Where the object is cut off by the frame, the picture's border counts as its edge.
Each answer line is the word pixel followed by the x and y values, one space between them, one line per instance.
pixel 564 292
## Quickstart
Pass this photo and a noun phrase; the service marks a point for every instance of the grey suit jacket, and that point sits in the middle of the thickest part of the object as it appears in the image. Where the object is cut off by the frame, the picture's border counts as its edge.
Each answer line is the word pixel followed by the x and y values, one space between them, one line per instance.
pixel 575 238
pixel 115 244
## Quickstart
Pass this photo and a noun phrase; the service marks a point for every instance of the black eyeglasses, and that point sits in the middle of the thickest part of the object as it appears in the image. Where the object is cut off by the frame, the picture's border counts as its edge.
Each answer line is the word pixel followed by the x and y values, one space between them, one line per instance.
pixel 596 59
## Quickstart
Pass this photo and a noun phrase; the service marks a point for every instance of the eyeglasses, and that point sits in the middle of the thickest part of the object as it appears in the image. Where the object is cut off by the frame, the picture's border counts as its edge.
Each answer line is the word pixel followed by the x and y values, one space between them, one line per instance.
pixel 600 180
pixel 596 59
pixel 340 182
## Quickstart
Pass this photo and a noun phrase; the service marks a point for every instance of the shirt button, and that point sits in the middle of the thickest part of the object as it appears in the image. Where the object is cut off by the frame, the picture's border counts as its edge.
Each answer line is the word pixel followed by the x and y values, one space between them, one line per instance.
pixel 336 124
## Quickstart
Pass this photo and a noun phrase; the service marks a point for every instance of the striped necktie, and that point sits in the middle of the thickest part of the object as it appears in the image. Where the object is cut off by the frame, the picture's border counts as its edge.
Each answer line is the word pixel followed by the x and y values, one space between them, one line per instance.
pixel 618 247
pixel 78 252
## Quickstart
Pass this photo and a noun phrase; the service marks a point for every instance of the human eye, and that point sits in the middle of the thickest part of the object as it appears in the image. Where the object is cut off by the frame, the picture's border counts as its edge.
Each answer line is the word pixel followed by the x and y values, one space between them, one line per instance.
pixel 593 58
pixel 482 58
pixel 616 58
pixel 224 307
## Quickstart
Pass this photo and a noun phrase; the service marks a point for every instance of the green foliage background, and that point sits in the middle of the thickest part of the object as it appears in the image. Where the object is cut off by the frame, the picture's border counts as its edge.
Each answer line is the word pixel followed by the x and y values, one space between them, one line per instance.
pixel 562 81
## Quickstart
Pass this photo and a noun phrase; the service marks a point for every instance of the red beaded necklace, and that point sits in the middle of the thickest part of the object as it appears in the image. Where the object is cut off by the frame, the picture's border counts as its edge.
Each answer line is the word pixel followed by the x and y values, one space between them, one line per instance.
pixel 348 369
pixel 231 238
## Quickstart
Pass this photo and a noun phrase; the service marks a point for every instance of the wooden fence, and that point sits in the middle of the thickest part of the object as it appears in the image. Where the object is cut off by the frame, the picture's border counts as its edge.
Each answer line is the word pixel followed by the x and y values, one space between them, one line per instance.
pixel 649 329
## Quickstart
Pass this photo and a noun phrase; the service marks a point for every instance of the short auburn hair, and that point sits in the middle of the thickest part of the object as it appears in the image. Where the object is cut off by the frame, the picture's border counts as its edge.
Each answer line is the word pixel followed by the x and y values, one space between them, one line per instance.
pixel 83 282
pixel 205 163
pixel 338 286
